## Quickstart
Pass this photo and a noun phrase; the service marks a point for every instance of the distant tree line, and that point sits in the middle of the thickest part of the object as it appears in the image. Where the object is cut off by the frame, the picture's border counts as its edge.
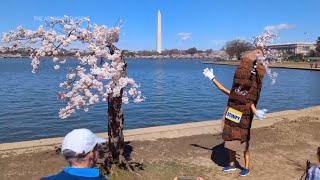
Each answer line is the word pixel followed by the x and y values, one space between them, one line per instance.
pixel 234 49
pixel 27 51
pixel 315 52
pixel 318 46
pixel 166 52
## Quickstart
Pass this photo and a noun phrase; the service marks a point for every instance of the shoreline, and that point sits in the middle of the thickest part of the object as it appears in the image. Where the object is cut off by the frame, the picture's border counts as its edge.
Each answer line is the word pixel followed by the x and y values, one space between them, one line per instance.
pixel 161 132
pixel 284 65
pixel 280 145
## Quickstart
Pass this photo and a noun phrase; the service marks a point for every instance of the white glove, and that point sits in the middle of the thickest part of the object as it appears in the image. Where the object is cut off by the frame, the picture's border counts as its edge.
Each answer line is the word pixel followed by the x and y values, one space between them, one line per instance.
pixel 208 73
pixel 260 113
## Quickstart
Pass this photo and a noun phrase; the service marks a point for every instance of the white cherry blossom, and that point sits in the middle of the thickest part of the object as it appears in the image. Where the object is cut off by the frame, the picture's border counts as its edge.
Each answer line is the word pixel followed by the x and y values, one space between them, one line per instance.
pixel 96 75
pixel 263 40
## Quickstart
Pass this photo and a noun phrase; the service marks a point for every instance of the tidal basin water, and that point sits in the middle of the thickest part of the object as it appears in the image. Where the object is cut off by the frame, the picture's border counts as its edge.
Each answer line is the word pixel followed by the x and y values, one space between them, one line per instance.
pixel 176 92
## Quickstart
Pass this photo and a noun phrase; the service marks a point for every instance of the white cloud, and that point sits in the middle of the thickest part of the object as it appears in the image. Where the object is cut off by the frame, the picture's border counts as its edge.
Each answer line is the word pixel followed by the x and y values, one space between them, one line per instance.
pixel 279 27
pixel 184 36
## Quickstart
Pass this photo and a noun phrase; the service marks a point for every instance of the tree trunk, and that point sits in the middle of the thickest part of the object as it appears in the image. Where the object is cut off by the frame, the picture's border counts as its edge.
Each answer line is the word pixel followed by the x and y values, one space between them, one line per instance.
pixel 115 132
pixel 115 126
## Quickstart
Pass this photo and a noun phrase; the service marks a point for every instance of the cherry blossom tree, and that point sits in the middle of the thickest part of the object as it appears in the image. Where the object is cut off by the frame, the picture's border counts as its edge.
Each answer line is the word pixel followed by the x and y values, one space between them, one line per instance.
pixel 98 75
pixel 219 55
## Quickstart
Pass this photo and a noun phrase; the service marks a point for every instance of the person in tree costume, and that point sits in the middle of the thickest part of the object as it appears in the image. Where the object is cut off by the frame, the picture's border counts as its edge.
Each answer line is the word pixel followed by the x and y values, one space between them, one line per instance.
pixel 243 98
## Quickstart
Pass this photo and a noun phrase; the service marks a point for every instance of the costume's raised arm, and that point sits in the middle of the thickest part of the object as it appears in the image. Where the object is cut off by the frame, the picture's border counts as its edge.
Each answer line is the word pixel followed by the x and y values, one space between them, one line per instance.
pixel 209 74
pixel 221 87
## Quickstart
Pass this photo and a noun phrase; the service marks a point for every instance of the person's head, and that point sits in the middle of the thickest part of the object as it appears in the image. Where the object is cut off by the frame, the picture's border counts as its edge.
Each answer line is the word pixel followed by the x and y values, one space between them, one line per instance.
pixel 79 148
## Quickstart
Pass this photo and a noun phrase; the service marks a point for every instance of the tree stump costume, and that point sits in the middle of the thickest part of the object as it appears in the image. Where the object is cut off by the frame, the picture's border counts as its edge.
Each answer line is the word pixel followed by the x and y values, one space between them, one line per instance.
pixel 245 91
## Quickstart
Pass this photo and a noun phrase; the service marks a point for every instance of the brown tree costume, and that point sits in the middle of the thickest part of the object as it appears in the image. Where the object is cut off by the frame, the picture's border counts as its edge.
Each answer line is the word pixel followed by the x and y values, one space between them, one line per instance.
pixel 246 88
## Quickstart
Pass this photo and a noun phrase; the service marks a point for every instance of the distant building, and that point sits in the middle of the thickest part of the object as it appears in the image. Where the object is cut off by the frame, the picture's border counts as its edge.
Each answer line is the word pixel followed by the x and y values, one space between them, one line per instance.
pixel 302 48
pixel 25 49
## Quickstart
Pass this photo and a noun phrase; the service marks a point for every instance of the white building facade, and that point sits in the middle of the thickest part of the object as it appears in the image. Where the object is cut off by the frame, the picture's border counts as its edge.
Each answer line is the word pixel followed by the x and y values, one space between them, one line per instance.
pixel 302 48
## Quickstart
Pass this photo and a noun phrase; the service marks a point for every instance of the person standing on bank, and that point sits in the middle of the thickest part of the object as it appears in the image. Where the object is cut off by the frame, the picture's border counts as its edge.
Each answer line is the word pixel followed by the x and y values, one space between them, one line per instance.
pixel 241 108
pixel 80 150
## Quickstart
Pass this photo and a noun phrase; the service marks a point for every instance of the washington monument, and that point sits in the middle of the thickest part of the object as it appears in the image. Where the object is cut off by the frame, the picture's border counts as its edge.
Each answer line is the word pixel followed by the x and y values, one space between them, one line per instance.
pixel 159 36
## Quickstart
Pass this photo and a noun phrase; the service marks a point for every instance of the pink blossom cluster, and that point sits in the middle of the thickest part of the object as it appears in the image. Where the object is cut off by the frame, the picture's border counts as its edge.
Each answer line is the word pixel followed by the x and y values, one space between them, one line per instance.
pixel 219 55
pixel 262 41
pixel 272 75
pixel 97 75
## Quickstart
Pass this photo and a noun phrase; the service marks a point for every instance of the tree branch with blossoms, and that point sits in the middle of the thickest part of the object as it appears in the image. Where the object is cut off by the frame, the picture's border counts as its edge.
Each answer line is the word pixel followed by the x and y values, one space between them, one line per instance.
pixel 262 41
pixel 96 75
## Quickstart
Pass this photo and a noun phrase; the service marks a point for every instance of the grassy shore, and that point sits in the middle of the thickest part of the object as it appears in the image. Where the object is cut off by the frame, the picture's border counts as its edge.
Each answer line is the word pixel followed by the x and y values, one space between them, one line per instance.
pixel 280 146
pixel 288 65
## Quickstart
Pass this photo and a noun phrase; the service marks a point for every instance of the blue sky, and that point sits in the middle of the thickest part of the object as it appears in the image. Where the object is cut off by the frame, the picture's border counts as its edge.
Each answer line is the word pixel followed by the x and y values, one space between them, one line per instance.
pixel 186 23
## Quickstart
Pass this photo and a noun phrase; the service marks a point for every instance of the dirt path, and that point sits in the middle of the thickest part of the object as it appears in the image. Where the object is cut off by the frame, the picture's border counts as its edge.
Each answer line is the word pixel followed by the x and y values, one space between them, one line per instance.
pixel 278 151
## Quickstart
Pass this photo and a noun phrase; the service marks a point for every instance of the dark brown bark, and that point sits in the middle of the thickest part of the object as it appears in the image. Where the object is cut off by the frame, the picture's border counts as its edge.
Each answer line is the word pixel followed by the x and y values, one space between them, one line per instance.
pixel 115 126
pixel 115 132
